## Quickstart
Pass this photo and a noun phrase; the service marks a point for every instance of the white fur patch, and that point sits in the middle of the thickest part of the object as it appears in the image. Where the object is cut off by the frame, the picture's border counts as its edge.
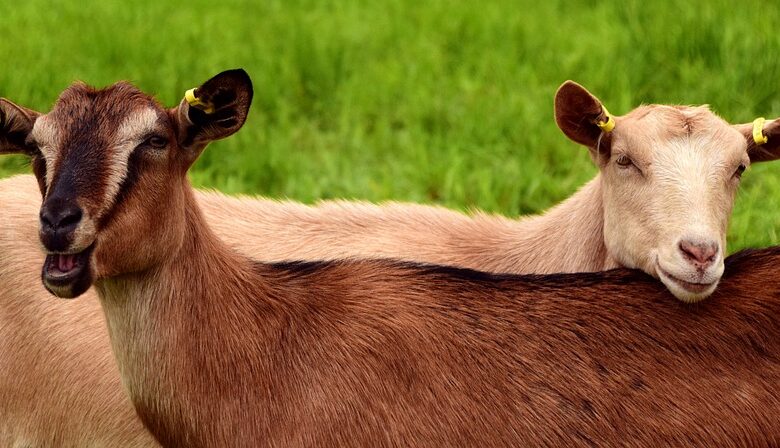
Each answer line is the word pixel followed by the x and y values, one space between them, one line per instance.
pixel 47 135
pixel 129 135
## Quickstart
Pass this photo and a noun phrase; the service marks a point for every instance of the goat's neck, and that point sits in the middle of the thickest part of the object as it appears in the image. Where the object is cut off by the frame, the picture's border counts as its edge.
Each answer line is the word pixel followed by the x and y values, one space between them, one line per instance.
pixel 567 238
pixel 174 326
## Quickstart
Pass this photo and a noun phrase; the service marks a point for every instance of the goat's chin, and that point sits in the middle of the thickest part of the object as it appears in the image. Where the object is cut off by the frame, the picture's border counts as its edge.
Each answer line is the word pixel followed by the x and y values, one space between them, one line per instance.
pixel 64 292
pixel 685 295
pixel 687 291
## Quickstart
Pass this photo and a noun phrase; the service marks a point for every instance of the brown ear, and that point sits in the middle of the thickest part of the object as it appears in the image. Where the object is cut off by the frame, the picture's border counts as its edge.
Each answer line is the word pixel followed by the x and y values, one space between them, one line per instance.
pixel 576 112
pixel 215 110
pixel 16 123
pixel 766 151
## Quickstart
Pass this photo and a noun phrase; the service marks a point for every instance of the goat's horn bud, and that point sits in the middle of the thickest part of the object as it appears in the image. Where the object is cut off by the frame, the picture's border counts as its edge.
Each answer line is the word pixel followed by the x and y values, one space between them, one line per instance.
pixel 197 103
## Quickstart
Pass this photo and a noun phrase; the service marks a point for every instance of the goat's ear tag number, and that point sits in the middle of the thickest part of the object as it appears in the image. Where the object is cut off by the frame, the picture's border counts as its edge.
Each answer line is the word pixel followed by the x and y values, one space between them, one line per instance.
pixel 196 102
pixel 758 131
pixel 608 124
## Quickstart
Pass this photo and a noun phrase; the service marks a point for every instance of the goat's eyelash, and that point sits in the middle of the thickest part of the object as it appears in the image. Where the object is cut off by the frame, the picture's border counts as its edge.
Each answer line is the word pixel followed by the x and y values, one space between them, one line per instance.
pixel 34 146
pixel 740 169
pixel 149 140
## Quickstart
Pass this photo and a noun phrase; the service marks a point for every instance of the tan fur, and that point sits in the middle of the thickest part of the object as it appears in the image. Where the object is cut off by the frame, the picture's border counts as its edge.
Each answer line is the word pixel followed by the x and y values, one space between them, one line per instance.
pixel 682 190
pixel 669 176
pixel 566 239
pixel 264 228
pixel 59 385
pixel 218 350
pixel 126 138
pixel 685 191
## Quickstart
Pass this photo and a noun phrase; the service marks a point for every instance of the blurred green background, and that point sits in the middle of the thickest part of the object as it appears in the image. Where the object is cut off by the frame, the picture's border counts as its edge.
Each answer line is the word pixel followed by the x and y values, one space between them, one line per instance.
pixel 427 101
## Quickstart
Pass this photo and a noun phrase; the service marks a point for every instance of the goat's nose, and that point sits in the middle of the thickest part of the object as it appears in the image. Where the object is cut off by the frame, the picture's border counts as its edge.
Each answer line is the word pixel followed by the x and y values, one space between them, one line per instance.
pixel 699 253
pixel 60 217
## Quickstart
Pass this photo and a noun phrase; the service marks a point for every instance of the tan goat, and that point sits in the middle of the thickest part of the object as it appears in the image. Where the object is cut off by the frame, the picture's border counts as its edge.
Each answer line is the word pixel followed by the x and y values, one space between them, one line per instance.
pixel 218 350
pixel 661 203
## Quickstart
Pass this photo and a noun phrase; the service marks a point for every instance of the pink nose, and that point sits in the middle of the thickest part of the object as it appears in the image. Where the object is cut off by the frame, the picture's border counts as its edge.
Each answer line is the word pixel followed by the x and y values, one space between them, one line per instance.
pixel 698 253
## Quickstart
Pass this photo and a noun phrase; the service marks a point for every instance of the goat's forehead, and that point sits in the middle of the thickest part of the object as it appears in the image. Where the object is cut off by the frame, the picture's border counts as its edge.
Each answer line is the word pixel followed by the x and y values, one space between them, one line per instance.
pixel 673 121
pixel 83 109
pixel 659 127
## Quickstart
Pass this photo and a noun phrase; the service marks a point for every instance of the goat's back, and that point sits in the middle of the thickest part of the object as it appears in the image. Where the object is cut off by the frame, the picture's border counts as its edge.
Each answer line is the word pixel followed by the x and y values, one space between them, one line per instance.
pixel 594 358
pixel 378 353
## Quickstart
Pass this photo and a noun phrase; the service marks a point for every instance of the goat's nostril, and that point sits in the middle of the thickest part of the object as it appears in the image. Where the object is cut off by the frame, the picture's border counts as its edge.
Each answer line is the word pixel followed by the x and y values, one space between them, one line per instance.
pixel 46 218
pixel 698 252
pixel 70 218
pixel 61 217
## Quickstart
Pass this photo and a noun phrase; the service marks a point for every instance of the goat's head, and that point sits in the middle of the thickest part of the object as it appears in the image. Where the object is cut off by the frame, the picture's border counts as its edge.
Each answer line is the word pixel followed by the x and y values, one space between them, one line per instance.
pixel 669 176
pixel 111 165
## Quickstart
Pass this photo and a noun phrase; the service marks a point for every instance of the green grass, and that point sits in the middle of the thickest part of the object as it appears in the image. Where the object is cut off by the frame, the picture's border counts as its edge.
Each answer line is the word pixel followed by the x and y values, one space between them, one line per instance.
pixel 429 101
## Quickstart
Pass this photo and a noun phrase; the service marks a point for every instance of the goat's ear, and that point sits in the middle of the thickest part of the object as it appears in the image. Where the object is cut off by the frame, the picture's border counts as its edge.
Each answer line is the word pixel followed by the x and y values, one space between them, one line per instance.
pixel 215 110
pixel 578 112
pixel 16 123
pixel 770 150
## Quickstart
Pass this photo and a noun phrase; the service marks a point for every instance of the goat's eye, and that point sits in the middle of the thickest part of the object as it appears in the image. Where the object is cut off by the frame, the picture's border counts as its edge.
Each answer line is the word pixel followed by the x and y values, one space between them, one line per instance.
pixel 156 142
pixel 740 169
pixel 624 161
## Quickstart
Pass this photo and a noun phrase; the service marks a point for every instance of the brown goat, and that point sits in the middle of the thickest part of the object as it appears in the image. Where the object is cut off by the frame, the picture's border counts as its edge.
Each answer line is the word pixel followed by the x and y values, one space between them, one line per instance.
pixel 218 350
pixel 661 203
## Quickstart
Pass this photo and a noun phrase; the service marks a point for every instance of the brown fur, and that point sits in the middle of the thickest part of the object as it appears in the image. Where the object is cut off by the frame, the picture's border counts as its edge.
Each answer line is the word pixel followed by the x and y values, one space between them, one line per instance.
pixel 332 230
pixel 576 236
pixel 218 350
pixel 59 384
pixel 287 231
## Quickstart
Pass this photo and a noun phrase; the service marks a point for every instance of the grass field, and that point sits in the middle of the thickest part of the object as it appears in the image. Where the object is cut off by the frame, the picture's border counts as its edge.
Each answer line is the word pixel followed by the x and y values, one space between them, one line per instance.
pixel 429 101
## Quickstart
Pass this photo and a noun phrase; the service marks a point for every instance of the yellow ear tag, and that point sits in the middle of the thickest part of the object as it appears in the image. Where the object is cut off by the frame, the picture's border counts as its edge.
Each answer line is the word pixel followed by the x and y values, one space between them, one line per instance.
pixel 195 102
pixel 758 131
pixel 609 124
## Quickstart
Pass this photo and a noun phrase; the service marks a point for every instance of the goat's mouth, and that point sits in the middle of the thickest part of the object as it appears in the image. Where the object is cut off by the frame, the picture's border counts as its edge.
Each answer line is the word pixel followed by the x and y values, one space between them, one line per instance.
pixel 68 275
pixel 683 289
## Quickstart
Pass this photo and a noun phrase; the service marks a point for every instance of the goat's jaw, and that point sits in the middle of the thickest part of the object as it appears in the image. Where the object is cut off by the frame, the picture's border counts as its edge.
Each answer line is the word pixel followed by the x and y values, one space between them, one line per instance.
pixel 68 275
pixel 688 291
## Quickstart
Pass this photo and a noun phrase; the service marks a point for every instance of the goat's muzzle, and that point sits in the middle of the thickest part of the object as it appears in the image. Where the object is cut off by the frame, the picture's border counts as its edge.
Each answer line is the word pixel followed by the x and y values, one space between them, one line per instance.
pixel 66 271
pixel 59 220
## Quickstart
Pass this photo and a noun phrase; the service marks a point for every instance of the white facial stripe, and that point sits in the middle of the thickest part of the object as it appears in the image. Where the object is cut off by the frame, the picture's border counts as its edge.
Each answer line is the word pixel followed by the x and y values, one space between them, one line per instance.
pixel 130 133
pixel 137 125
pixel 48 137
pixel 44 132
pixel 85 232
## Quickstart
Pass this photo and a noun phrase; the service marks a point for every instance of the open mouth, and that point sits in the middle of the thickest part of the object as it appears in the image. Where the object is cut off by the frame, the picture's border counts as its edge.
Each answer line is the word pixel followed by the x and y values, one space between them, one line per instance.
pixel 61 272
pixel 694 288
